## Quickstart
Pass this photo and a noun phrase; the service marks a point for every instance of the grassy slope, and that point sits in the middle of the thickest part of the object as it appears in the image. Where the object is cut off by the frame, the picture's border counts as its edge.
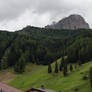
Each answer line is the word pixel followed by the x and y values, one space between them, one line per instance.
pixel 37 75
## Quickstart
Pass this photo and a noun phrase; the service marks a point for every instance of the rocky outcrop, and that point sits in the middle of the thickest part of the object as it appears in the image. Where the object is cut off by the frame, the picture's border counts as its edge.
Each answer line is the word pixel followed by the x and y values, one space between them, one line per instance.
pixel 72 22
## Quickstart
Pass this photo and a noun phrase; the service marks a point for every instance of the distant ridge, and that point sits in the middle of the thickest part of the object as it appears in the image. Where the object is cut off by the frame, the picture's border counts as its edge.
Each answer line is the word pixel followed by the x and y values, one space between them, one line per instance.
pixel 71 22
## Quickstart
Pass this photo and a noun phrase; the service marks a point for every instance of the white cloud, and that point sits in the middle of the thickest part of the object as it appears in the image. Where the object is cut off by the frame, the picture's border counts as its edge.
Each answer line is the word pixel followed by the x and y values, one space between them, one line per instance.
pixel 16 14
pixel 25 19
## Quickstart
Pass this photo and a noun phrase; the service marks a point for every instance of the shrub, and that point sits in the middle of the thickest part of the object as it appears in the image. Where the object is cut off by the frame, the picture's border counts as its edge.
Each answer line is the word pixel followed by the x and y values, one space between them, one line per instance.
pixel 85 77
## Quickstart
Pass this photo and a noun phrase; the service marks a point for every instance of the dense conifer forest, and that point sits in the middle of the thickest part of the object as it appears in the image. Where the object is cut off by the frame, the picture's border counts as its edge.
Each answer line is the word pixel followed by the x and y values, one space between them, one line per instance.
pixel 43 46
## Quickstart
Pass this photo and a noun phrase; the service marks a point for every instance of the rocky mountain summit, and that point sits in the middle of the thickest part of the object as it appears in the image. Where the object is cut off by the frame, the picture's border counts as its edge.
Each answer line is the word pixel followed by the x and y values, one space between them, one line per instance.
pixel 72 22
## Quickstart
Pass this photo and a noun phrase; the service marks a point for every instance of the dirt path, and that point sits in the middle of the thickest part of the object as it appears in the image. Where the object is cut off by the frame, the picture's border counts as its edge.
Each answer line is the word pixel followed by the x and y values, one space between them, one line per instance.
pixel 7 88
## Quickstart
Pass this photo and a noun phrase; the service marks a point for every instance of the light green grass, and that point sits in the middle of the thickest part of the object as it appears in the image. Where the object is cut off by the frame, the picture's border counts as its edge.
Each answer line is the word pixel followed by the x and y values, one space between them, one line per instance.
pixel 35 76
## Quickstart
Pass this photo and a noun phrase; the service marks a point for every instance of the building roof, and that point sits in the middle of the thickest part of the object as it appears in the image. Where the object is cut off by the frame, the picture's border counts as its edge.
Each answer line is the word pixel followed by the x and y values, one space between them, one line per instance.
pixel 39 90
pixel 7 88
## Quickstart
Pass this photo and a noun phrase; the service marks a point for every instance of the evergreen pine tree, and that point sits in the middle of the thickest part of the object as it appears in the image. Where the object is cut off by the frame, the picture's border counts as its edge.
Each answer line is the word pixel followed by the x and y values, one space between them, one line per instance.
pixel 49 68
pixel 4 63
pixel 71 68
pixel 80 63
pixel 56 67
pixel 62 64
pixel 65 70
pixel 79 55
pixel 61 67
pixel 90 76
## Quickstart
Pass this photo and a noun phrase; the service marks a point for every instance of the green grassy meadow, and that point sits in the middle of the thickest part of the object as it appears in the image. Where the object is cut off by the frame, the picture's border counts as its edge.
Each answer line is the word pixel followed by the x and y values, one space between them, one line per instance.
pixel 35 76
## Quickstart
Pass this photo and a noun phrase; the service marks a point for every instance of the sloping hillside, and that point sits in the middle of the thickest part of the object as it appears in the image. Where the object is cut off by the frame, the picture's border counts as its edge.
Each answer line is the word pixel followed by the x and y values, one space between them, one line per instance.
pixel 47 48
pixel 41 46
pixel 35 76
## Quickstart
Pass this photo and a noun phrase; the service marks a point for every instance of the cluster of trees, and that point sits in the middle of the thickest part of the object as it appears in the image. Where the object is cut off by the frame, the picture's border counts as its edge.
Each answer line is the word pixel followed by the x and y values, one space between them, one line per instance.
pixel 43 46
pixel 62 67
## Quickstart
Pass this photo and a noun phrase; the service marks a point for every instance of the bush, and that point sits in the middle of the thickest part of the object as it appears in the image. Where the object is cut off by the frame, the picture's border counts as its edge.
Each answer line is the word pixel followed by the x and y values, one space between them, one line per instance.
pixel 85 77
pixel 76 89
pixel 82 73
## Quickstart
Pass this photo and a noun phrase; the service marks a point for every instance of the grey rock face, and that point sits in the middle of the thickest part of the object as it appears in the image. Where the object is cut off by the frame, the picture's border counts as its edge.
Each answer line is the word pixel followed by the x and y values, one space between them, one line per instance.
pixel 72 22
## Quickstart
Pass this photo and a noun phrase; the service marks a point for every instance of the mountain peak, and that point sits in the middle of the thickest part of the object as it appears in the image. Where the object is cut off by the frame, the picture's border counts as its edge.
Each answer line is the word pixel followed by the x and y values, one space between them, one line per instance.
pixel 71 22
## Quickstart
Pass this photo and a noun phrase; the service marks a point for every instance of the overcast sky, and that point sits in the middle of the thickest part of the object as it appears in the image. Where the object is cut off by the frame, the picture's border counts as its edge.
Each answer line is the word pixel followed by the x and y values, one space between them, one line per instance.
pixel 16 14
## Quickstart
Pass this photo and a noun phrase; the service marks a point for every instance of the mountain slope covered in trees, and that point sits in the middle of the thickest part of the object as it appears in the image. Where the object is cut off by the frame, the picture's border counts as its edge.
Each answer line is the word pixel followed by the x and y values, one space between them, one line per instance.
pixel 43 46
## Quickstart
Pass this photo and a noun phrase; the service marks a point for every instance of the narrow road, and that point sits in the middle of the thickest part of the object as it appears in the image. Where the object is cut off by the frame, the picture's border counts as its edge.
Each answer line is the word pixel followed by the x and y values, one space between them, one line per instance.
pixel 7 88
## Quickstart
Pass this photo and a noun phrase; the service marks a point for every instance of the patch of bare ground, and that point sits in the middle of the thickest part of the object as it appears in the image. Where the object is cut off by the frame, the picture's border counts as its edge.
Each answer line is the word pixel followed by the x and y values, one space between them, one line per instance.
pixel 6 76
